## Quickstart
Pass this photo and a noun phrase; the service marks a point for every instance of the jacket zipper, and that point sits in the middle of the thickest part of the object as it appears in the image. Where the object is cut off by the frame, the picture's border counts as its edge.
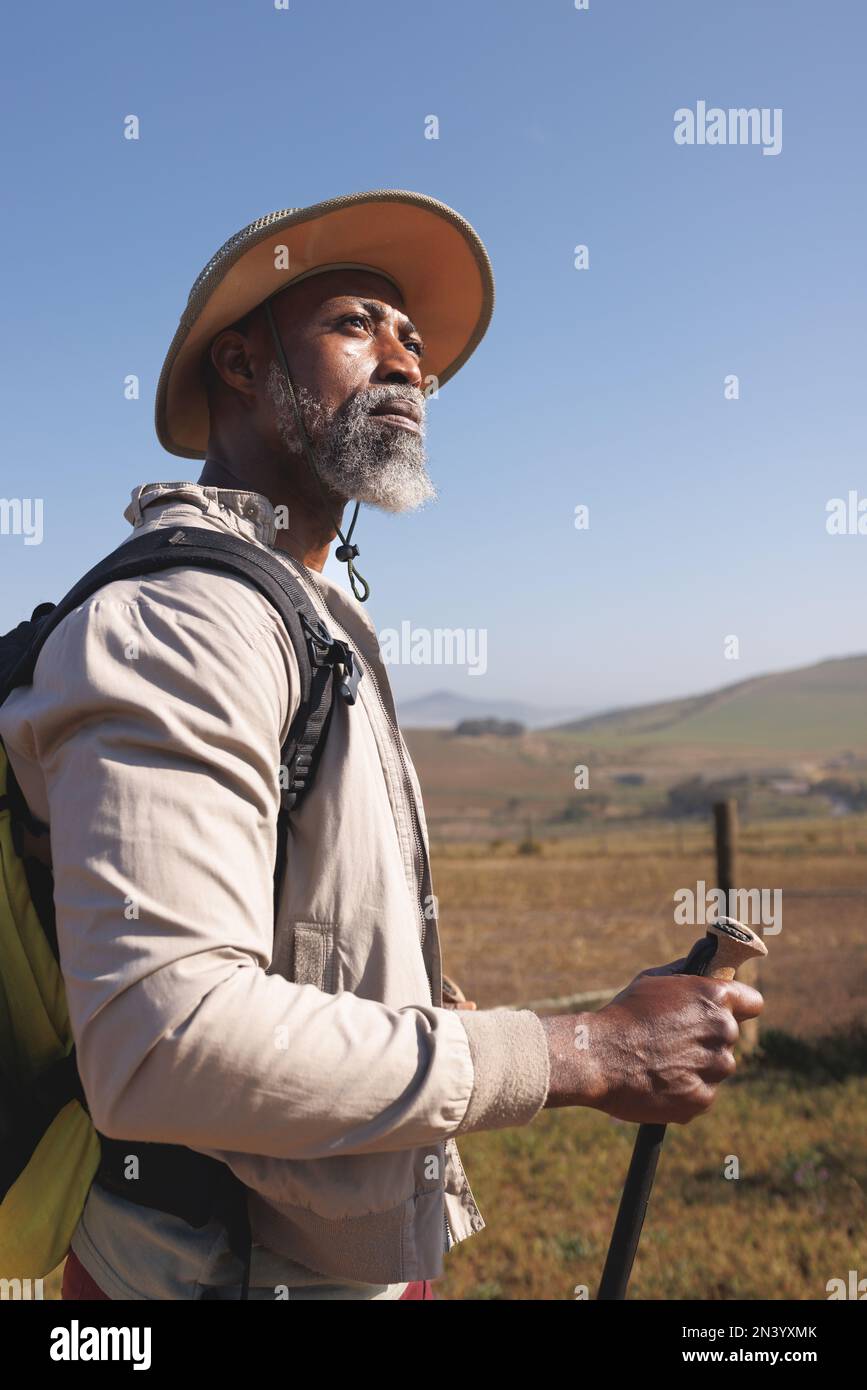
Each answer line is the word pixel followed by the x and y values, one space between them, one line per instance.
pixel 418 863
pixel 415 833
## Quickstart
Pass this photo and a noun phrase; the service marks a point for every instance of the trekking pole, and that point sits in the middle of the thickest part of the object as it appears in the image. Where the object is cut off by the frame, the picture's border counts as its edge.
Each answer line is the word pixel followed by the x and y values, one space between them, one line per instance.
pixel 717 955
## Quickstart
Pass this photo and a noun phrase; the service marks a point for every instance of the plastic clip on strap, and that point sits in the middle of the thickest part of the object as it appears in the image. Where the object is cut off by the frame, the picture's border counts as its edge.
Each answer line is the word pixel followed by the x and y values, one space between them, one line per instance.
pixel 326 650
pixel 348 686
pixel 332 661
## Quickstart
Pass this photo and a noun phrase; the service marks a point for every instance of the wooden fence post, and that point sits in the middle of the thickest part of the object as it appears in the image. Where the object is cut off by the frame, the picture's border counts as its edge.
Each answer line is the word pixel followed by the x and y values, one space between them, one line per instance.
pixel 725 816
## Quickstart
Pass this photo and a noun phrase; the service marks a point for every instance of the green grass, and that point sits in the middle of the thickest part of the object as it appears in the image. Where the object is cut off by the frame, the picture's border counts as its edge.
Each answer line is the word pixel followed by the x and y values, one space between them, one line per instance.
pixel 794 1218
pixel 817 707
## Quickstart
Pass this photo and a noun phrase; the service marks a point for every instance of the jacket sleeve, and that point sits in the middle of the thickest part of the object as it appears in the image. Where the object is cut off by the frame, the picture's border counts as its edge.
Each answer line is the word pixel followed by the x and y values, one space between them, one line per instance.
pixel 158 726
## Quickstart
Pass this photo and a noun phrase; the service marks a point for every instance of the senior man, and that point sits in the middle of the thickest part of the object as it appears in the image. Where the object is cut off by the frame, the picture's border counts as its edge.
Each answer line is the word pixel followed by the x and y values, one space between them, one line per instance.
pixel 305 1045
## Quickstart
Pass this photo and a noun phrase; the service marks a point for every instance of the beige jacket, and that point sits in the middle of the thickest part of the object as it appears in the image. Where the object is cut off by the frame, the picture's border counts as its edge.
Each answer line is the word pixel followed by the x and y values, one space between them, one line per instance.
pixel 313 1056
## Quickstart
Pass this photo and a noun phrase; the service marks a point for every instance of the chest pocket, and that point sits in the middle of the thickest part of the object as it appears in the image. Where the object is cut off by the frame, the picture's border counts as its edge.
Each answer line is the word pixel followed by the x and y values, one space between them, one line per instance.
pixel 304 953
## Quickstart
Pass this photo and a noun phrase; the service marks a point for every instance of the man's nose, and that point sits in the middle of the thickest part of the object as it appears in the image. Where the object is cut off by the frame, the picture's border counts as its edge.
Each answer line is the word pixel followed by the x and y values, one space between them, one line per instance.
pixel 398 365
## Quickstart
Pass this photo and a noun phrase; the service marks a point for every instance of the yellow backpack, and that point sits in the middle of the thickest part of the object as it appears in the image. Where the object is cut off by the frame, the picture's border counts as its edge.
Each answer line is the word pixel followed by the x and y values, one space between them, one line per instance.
pixel 49 1151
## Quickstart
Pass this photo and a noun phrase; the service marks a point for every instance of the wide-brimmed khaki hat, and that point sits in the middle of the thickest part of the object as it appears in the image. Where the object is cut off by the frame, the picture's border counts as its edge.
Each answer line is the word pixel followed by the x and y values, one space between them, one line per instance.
pixel 427 249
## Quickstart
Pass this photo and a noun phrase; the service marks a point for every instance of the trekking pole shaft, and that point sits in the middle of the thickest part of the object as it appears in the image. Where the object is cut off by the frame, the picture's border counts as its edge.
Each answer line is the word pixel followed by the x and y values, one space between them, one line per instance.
pixel 732 943
pixel 631 1212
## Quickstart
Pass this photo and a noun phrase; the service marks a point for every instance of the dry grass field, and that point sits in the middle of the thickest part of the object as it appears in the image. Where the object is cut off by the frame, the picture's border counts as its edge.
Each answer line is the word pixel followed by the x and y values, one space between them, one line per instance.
pixel 588 913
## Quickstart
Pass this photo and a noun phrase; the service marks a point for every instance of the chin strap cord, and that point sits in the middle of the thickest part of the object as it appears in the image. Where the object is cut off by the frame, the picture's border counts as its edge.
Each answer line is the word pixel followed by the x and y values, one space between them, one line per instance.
pixel 345 551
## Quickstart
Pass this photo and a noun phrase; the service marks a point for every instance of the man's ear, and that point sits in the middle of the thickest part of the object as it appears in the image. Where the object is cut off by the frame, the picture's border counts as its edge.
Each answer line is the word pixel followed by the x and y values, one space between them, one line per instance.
pixel 227 344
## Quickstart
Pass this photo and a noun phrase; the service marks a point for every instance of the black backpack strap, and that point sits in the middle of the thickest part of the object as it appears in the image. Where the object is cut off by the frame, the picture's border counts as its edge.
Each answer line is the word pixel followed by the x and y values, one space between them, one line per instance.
pixel 319 655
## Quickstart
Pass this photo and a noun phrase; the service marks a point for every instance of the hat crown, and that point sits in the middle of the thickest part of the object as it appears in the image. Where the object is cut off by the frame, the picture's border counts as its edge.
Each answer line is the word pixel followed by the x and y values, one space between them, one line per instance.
pixel 235 240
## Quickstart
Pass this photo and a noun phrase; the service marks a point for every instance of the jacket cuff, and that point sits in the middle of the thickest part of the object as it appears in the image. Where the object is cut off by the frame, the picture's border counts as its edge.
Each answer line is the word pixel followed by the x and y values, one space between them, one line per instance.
pixel 511 1067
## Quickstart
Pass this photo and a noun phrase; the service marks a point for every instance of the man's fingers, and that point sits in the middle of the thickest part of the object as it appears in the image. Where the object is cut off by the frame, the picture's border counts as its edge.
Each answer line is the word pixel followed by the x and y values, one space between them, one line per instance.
pixel 743 1000
pixel 674 967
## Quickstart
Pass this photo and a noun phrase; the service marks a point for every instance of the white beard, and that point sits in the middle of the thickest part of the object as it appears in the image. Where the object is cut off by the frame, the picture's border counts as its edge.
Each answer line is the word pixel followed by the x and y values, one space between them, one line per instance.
pixel 361 458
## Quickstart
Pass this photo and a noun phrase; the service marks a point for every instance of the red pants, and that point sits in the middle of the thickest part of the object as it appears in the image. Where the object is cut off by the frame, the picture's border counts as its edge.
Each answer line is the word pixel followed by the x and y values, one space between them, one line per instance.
pixel 78 1285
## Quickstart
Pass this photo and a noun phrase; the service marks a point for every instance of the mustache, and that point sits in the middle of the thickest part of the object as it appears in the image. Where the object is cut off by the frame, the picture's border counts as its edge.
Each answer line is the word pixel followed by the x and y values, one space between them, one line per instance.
pixel 331 425
pixel 375 397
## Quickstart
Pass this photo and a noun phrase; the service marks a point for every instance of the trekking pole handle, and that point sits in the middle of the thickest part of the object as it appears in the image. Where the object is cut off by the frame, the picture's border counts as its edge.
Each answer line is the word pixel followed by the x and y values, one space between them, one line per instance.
pixel 735 944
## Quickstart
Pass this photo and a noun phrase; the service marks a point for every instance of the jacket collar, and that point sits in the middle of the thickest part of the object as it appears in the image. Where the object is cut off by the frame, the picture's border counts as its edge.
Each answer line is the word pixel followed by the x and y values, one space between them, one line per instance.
pixel 251 515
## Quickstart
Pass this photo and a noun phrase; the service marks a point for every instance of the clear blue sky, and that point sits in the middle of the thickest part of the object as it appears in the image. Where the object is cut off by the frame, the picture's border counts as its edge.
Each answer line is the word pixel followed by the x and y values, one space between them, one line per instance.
pixel 602 387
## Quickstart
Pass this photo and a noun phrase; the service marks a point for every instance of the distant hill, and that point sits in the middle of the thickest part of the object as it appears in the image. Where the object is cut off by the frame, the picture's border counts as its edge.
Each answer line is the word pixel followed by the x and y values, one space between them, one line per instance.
pixel 811 709
pixel 443 709
pixel 780 731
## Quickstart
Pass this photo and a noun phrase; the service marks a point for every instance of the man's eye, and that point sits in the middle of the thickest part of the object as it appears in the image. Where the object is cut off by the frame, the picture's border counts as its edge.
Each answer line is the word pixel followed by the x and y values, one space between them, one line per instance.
pixel 366 322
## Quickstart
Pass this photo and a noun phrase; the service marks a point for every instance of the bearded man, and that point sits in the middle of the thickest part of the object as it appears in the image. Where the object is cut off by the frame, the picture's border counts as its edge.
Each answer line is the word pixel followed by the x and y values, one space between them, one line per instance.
pixel 305 1046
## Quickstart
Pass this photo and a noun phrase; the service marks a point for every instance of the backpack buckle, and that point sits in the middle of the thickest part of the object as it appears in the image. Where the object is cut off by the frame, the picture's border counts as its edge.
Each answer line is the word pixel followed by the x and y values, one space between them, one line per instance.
pixel 319 641
pixel 326 650
pixel 348 686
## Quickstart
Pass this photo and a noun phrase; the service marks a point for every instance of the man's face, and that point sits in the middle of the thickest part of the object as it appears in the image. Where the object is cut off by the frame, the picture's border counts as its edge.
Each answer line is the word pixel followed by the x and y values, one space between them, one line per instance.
pixel 353 356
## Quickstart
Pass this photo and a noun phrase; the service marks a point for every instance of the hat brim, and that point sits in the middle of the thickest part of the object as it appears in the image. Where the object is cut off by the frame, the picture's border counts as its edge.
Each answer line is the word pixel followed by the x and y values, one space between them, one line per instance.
pixel 429 250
